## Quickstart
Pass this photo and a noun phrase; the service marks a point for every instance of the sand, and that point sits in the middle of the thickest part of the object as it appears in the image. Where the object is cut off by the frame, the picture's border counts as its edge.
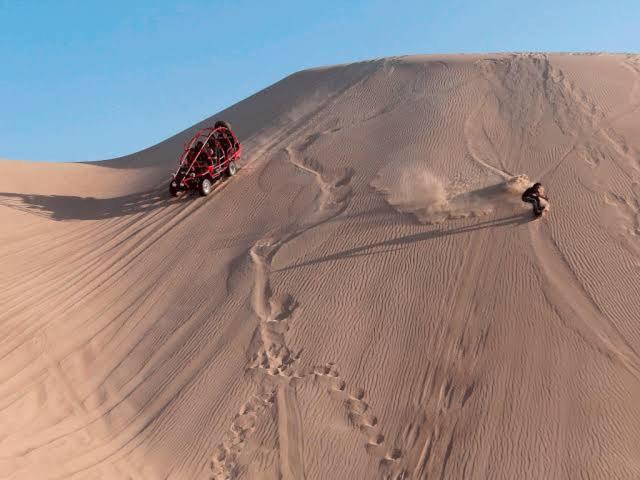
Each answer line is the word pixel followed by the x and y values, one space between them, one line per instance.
pixel 367 298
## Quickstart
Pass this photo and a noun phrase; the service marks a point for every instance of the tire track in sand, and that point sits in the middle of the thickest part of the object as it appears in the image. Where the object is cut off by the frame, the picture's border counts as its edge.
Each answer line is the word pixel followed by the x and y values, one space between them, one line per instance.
pixel 277 366
pixel 273 357
pixel 579 310
pixel 582 120
pixel 451 381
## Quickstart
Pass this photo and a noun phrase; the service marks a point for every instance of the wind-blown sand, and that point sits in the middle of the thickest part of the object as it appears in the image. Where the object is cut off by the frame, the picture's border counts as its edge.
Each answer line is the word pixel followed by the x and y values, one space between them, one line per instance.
pixel 367 298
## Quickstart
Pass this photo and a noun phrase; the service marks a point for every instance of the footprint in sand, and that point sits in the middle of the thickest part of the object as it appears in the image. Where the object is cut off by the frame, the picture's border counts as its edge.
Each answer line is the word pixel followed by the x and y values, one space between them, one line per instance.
pixel 225 457
pixel 361 417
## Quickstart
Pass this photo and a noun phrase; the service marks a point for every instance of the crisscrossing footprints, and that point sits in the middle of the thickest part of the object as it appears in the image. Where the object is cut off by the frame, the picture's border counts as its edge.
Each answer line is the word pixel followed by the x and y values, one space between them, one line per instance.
pixel 361 417
pixel 274 357
pixel 224 463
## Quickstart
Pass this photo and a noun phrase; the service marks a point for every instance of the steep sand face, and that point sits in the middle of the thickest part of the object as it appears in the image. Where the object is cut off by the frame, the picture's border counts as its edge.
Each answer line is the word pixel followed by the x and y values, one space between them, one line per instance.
pixel 367 298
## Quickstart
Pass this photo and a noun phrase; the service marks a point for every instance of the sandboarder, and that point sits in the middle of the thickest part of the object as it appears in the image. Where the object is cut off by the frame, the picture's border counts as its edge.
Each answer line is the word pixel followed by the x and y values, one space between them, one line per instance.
pixel 533 195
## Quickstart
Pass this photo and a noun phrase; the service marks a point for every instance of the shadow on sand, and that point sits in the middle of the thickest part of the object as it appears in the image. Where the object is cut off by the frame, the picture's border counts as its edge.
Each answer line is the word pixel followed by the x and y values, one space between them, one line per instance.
pixel 62 207
pixel 401 242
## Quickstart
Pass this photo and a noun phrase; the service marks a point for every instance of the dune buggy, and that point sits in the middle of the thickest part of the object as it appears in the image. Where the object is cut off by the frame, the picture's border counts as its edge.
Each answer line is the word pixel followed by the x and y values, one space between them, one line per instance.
pixel 211 154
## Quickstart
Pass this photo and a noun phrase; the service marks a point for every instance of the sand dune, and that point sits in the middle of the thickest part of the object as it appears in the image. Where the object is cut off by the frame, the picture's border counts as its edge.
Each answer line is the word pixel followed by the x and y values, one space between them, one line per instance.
pixel 367 298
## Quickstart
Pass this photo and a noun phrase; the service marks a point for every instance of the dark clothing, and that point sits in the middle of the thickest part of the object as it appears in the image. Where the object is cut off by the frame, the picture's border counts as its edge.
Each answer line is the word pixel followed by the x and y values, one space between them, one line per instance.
pixel 532 195
pixel 531 192
pixel 225 139
pixel 534 200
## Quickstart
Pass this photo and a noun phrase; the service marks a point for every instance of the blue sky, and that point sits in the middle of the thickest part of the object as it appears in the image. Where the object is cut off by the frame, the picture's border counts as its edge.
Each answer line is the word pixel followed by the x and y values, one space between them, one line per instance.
pixel 93 80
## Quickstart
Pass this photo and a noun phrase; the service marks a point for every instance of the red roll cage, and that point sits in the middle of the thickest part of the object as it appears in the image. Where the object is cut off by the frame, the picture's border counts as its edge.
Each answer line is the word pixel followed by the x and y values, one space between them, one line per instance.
pixel 204 135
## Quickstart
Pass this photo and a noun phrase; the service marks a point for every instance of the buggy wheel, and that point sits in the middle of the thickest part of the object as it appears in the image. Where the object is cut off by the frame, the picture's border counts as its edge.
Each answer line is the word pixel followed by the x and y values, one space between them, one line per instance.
pixel 205 187
pixel 232 169
pixel 173 189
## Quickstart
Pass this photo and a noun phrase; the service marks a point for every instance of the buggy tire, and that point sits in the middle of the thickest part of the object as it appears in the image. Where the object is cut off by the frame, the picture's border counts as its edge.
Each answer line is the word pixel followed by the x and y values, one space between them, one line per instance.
pixel 173 191
pixel 204 188
pixel 232 169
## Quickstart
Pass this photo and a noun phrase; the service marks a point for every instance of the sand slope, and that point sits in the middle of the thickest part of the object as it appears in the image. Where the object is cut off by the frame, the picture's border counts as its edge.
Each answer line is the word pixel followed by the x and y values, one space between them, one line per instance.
pixel 366 299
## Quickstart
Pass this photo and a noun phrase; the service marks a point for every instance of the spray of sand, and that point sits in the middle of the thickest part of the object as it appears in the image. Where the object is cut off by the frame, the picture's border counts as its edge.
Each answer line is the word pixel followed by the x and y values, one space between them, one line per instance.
pixel 415 190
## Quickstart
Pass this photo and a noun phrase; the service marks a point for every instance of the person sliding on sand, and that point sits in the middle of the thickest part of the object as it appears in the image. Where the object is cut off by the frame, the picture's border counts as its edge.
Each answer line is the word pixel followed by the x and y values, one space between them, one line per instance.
pixel 532 195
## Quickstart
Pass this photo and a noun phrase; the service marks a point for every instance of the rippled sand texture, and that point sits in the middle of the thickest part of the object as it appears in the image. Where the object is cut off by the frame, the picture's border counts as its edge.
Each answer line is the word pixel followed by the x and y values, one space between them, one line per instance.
pixel 367 299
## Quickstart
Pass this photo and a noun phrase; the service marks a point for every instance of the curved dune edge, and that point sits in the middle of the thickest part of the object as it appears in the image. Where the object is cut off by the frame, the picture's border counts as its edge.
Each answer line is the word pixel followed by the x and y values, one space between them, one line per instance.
pixel 367 298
